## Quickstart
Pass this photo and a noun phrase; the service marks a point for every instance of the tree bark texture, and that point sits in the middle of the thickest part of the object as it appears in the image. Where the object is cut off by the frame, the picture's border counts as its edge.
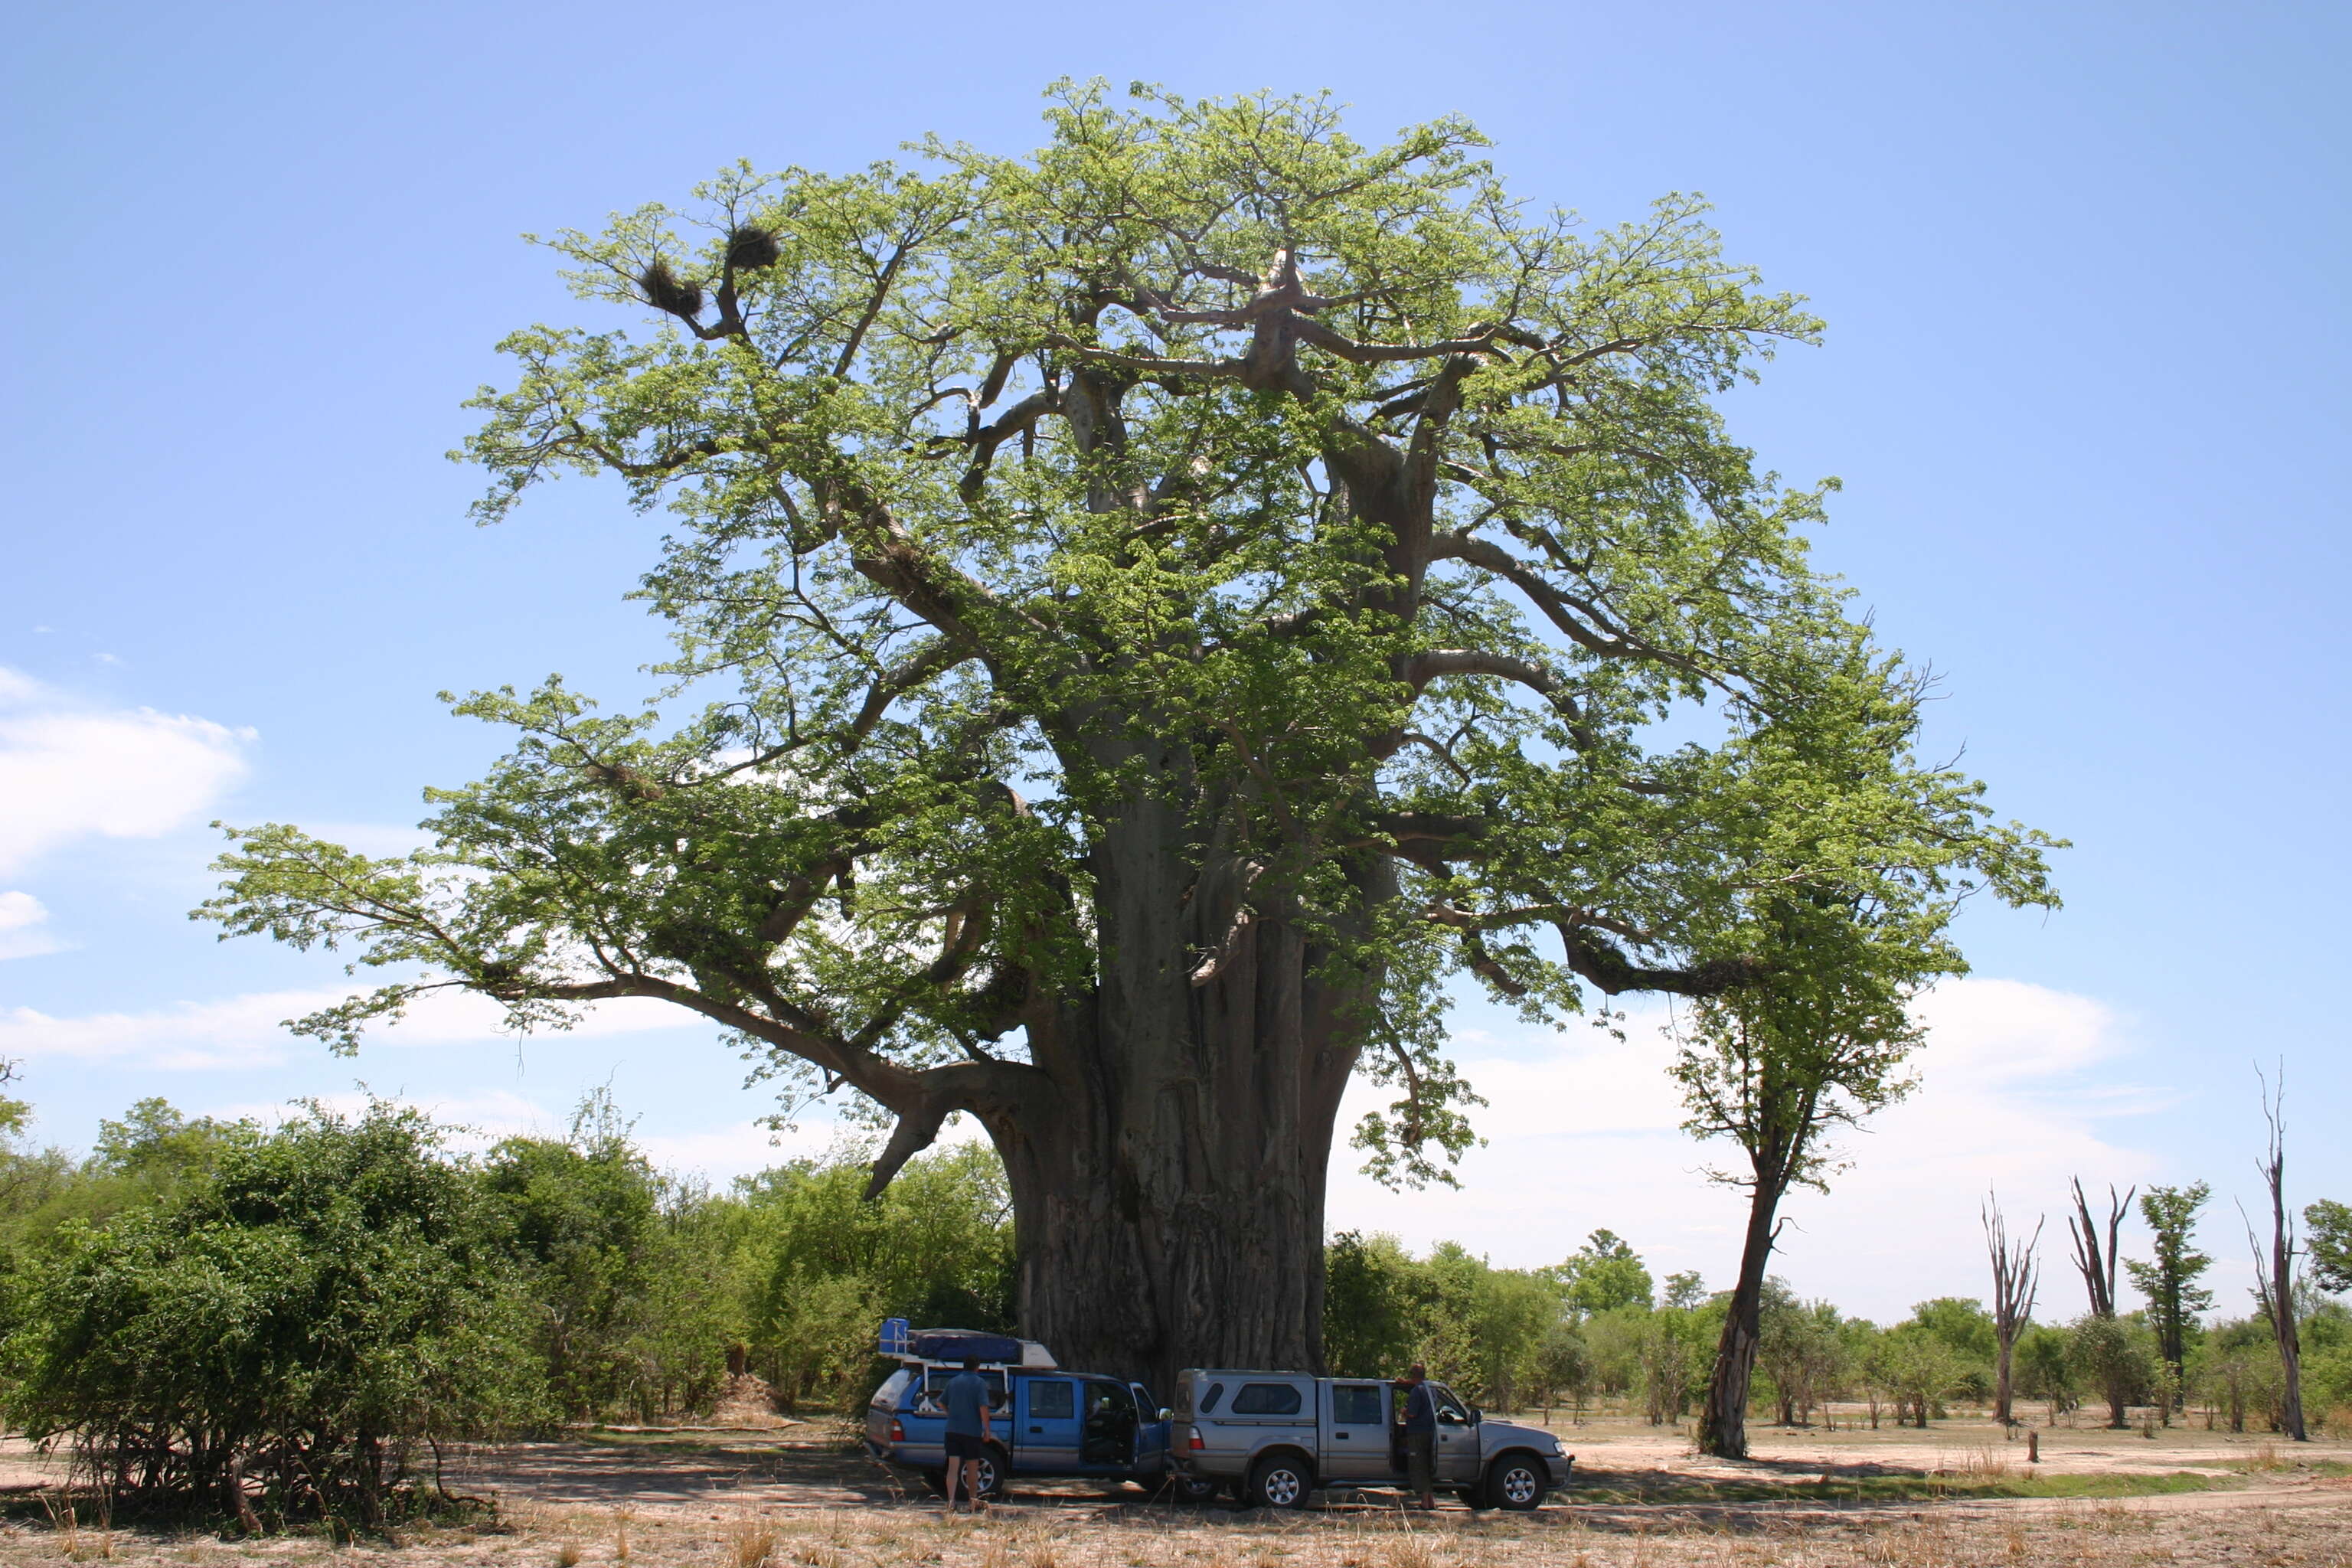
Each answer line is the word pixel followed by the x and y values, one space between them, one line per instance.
pixel 1168 1181
pixel 1722 1426
pixel 1175 1217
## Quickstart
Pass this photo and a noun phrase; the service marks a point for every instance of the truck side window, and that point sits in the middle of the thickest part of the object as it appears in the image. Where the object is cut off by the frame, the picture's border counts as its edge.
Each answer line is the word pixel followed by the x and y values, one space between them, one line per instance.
pixel 1209 1400
pixel 1355 1404
pixel 1267 1399
pixel 1051 1400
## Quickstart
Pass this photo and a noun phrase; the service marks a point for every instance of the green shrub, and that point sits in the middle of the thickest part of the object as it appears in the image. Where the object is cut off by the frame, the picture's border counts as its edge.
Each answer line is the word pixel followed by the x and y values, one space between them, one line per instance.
pixel 305 1315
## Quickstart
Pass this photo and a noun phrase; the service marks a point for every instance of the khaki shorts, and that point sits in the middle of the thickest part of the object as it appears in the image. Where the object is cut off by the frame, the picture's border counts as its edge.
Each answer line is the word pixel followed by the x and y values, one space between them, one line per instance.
pixel 1420 1460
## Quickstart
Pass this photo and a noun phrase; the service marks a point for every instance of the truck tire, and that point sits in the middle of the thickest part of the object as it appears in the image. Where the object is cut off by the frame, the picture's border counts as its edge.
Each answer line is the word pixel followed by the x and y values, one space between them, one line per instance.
pixel 1192 1489
pixel 1517 1481
pixel 994 1465
pixel 1279 1480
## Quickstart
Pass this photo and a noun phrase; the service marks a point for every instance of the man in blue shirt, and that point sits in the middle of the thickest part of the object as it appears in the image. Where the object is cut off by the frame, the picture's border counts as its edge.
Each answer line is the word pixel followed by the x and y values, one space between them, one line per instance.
pixel 967 1431
pixel 1419 1434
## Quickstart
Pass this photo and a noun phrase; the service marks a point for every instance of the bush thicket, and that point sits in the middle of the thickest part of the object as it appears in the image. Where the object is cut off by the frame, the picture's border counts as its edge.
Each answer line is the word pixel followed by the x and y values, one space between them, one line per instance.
pixel 289 1322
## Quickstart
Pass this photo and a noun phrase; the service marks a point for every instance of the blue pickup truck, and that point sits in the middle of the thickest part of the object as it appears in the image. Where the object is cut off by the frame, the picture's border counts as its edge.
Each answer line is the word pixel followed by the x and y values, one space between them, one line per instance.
pixel 1043 1421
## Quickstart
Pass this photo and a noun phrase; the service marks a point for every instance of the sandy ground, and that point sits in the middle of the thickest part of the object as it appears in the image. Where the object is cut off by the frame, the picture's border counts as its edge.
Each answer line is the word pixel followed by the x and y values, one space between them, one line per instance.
pixel 778 1500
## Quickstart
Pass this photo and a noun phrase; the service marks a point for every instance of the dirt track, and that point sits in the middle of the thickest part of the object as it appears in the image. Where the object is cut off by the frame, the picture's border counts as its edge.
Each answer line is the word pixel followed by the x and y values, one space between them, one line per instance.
pixel 768 1499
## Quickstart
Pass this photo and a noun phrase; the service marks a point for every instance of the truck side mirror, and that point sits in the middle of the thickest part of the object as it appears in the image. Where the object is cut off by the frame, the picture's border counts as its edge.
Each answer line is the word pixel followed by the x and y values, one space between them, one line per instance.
pixel 1166 1414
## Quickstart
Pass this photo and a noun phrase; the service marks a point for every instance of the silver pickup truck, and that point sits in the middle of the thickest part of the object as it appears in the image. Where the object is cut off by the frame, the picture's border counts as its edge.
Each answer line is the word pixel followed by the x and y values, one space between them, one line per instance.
pixel 1274 1436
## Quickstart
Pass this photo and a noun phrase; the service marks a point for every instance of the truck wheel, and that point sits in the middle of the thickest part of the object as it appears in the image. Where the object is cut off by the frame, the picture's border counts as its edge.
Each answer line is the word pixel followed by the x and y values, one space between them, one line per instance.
pixel 938 1481
pixel 996 1471
pixel 1279 1482
pixel 1517 1482
pixel 1192 1489
pixel 1473 1498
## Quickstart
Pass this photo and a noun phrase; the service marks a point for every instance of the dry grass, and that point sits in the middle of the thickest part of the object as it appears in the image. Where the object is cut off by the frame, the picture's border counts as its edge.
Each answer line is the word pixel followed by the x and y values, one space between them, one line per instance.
pixel 748 1542
pixel 2316 1534
pixel 1984 1464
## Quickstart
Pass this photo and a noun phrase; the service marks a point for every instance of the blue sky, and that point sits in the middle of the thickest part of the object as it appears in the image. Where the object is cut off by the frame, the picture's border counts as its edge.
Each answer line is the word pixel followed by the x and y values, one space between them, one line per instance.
pixel 2083 267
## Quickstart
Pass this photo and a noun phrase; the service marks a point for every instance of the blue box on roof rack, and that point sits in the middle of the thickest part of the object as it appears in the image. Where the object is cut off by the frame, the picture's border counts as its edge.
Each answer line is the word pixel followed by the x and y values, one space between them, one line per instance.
pixel 964 1344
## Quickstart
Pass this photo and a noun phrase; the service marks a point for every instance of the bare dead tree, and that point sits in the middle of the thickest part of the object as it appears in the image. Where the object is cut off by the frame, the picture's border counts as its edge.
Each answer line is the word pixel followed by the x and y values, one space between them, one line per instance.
pixel 2274 1274
pixel 2097 1268
pixel 2098 1271
pixel 2015 1277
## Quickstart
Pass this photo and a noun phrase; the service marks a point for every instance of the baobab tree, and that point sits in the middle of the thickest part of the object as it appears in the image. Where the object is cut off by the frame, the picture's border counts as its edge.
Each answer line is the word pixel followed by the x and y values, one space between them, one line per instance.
pixel 2015 1274
pixel 1147 615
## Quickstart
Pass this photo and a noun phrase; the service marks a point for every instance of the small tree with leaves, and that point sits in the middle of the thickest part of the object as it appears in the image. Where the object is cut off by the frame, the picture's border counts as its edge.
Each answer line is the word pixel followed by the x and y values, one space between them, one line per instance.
pixel 1602 1274
pixel 2327 1242
pixel 1773 1066
pixel 2169 1280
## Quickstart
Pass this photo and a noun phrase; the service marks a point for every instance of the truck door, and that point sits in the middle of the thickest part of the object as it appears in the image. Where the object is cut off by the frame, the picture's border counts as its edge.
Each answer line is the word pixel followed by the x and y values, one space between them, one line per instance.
pixel 1046 1424
pixel 1356 1432
pixel 1151 1432
pixel 1457 1439
pixel 1106 1440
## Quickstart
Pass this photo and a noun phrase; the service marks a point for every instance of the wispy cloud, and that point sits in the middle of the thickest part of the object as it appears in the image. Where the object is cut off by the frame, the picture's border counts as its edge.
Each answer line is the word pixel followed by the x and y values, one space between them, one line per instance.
pixel 1587 1133
pixel 22 920
pixel 246 1031
pixel 71 769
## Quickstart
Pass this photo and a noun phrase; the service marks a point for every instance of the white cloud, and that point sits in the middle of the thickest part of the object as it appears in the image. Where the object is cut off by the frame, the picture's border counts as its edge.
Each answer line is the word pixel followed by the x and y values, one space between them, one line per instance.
pixel 244 1031
pixel 240 1032
pixel 71 771
pixel 21 920
pixel 1584 1132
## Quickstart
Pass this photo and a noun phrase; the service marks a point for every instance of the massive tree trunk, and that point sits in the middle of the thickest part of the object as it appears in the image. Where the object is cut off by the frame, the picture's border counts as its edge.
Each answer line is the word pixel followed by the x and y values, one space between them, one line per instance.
pixel 1175 1218
pixel 1167 1192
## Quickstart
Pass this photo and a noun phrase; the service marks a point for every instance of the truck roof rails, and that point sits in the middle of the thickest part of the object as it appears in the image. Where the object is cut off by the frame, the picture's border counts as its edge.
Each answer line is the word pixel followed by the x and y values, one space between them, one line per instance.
pixel 901 1342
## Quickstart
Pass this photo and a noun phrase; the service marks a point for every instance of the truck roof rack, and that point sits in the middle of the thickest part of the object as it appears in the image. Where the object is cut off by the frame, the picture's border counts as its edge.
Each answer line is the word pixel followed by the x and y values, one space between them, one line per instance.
pixel 933 1347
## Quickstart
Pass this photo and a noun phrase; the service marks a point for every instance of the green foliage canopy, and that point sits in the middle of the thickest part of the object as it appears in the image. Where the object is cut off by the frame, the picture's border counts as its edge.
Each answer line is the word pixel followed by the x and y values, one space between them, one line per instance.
pixel 1380 528
pixel 1604 1274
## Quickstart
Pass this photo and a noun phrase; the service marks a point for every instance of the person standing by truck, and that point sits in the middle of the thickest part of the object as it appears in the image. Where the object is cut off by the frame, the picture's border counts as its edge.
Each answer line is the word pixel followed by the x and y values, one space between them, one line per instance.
pixel 1419 1434
pixel 967 1437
